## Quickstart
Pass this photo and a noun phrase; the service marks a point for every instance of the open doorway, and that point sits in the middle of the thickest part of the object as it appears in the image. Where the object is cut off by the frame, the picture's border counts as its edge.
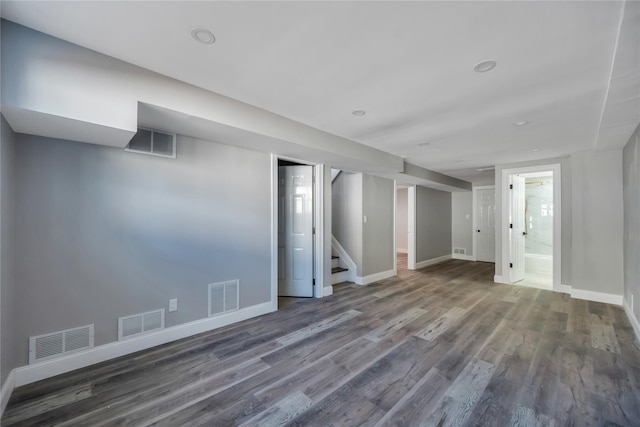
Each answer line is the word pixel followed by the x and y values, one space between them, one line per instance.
pixel 402 227
pixel 538 246
pixel 298 245
pixel 531 216
pixel 405 228
pixel 295 229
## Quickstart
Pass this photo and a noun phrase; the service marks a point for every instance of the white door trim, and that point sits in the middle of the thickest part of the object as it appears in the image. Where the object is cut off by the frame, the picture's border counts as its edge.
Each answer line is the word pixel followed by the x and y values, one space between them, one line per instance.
pixel 319 240
pixel 474 220
pixel 411 226
pixel 274 232
pixel 556 168
pixel 395 218
pixel 318 290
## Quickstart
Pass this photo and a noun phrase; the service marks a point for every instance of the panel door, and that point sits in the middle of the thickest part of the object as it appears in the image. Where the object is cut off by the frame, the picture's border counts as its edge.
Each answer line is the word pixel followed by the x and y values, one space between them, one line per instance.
pixel 485 225
pixel 295 231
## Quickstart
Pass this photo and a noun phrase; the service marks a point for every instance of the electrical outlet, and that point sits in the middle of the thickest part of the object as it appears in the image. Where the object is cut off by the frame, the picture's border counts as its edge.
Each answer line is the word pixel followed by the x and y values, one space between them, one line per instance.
pixel 173 304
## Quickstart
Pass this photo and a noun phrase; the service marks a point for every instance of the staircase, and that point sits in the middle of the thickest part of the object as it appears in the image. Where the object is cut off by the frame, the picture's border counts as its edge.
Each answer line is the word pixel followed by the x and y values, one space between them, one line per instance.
pixel 339 273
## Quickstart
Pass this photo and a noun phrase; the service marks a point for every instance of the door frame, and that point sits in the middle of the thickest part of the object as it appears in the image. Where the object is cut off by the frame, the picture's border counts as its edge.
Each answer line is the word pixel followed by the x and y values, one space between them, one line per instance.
pixel 318 220
pixel 411 227
pixel 556 168
pixel 474 219
pixel 411 243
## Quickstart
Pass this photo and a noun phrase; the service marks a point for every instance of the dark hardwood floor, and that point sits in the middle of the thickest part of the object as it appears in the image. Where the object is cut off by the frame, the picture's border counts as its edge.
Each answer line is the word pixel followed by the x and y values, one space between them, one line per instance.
pixel 436 347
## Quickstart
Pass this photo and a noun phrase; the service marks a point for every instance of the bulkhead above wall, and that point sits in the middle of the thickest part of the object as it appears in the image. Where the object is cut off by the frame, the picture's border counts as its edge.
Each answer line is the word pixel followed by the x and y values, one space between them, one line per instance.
pixel 54 88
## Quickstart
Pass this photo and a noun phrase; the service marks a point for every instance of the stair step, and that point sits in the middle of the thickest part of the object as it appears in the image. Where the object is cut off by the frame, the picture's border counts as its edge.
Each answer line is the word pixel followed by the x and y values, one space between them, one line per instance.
pixel 335 261
pixel 335 270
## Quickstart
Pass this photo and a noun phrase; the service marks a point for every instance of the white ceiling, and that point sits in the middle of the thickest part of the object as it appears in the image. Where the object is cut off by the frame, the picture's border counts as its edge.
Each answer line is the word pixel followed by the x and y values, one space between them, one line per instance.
pixel 408 64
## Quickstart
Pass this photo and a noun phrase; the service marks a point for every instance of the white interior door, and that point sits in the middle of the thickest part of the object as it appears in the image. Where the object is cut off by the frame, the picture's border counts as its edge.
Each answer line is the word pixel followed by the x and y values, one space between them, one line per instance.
pixel 295 231
pixel 485 225
pixel 517 228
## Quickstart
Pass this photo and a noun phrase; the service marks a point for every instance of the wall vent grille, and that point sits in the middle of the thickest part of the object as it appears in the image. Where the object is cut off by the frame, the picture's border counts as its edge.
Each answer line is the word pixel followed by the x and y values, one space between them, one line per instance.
pixel 55 344
pixel 142 323
pixel 224 297
pixel 153 142
pixel 460 251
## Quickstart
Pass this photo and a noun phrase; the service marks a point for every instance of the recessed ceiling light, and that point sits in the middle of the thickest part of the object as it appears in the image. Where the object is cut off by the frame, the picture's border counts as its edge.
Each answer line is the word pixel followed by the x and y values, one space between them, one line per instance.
pixel 358 113
pixel 522 123
pixel 203 36
pixel 535 149
pixel 484 66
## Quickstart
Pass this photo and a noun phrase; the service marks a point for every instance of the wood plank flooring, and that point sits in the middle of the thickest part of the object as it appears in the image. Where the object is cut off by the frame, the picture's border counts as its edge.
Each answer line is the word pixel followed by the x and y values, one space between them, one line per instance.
pixel 436 347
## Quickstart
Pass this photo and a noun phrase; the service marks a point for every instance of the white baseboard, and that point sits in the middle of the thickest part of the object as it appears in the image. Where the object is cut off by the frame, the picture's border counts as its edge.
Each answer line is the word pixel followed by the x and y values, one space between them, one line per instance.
pixel 328 290
pixel 565 289
pixel 375 277
pixel 596 296
pixel 500 279
pixel 463 257
pixel 632 318
pixel 46 369
pixel 402 251
pixel 7 389
pixel 428 262
pixel 577 293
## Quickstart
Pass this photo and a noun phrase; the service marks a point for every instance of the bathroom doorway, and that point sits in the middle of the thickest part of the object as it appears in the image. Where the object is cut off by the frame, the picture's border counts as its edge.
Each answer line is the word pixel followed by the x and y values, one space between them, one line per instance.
pixel 538 246
pixel 532 221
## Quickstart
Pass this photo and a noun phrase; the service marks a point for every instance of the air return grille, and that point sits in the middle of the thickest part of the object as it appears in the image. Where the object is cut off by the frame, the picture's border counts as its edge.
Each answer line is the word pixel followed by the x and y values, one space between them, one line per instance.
pixel 153 142
pixel 223 297
pixel 142 323
pixel 49 346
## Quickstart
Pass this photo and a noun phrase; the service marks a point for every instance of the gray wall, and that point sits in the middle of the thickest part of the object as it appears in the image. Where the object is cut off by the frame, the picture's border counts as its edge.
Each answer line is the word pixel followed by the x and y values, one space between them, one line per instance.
pixel 462 221
pixel 346 215
pixel 7 238
pixel 433 223
pixel 378 233
pixel 402 215
pixel 631 180
pixel 567 217
pixel 105 233
pixel 598 221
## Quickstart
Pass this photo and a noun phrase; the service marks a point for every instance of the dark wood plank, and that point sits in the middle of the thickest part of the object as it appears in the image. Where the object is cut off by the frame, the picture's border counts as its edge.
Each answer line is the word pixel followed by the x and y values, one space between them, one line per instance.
pixel 443 345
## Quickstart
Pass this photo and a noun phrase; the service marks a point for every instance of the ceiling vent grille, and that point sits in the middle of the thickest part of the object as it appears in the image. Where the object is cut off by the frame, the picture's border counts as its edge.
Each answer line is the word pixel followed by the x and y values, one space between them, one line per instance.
pixel 138 324
pixel 153 142
pixel 55 344
pixel 224 297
